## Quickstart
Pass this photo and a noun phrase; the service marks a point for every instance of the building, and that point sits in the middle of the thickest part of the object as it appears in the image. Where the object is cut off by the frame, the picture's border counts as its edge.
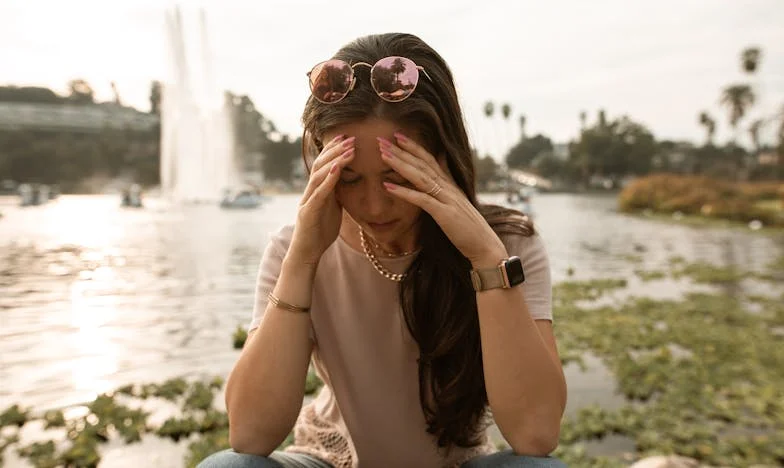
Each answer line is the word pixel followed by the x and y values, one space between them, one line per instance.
pixel 84 118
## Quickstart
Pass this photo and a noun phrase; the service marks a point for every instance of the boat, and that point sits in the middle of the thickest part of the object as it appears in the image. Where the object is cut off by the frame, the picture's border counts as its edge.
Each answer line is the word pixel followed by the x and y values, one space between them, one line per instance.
pixel 33 194
pixel 132 197
pixel 521 199
pixel 241 199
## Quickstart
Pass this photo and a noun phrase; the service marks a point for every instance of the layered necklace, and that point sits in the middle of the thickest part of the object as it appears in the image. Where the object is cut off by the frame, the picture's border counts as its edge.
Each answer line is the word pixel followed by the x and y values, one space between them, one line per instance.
pixel 371 256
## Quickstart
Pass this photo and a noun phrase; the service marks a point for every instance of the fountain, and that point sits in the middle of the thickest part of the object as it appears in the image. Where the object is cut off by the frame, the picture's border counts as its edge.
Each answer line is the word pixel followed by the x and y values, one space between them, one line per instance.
pixel 197 144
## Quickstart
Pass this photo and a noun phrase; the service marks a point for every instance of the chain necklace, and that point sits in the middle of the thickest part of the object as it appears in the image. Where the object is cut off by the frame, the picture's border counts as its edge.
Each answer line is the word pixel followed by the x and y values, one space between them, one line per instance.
pixel 398 277
pixel 387 253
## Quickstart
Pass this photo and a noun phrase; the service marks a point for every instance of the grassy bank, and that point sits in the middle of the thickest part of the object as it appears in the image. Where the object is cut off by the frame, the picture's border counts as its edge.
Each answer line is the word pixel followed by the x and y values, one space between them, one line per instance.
pixel 704 198
pixel 699 376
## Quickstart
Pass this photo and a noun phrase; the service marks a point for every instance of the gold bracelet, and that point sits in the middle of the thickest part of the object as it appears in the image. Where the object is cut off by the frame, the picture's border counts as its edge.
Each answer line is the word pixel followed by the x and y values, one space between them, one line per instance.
pixel 285 305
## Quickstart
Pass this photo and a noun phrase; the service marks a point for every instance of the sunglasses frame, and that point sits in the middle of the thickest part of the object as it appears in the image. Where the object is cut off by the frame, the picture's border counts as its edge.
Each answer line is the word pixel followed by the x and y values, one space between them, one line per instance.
pixel 353 79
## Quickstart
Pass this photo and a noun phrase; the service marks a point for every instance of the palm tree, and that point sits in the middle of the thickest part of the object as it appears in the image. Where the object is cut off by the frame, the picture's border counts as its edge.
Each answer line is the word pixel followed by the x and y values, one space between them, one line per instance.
pixel 754 129
pixel 489 111
pixel 737 99
pixel 506 111
pixel 750 58
pixel 522 127
pixel 710 127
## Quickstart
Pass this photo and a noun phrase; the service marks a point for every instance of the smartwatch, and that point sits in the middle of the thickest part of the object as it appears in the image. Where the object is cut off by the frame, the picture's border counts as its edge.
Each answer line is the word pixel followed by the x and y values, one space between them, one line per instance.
pixel 507 274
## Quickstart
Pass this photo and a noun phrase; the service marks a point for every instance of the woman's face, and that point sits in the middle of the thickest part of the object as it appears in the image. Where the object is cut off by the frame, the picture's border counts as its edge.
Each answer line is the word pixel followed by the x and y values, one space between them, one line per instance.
pixel 360 190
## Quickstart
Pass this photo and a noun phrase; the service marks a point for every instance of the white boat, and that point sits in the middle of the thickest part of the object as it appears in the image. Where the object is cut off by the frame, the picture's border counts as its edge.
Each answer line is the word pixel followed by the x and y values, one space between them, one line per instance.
pixel 521 200
pixel 132 197
pixel 241 199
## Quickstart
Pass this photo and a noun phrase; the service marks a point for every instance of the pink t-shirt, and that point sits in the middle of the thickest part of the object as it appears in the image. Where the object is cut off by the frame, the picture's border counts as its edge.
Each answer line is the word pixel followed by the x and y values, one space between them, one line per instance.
pixel 368 412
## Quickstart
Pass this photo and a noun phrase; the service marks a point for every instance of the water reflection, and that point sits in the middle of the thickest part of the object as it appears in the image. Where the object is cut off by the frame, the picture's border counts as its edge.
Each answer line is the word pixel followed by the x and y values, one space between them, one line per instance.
pixel 95 353
pixel 95 297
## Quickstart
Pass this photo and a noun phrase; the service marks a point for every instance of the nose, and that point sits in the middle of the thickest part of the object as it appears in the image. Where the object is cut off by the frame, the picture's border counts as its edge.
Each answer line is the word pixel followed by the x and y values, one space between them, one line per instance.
pixel 377 200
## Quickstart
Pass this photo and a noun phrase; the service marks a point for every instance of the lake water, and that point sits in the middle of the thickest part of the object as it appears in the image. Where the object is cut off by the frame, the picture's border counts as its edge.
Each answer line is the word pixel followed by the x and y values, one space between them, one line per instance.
pixel 93 296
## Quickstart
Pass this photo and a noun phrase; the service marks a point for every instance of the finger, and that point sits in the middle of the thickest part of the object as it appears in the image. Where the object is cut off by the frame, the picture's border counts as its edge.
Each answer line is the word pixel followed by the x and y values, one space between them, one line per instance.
pixel 421 166
pixel 418 151
pixel 317 178
pixel 421 181
pixel 327 187
pixel 335 148
pixel 430 204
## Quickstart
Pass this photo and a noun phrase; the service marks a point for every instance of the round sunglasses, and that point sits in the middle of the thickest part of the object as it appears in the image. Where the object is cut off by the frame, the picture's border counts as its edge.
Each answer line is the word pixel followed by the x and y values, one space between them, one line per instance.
pixel 393 78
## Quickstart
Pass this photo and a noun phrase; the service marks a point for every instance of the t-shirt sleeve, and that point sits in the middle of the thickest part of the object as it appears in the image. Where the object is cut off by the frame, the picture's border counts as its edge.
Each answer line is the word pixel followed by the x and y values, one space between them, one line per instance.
pixel 269 270
pixel 537 287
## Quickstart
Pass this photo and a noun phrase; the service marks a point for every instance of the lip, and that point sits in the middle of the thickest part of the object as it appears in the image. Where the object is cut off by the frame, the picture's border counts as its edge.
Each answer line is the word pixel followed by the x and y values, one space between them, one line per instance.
pixel 380 227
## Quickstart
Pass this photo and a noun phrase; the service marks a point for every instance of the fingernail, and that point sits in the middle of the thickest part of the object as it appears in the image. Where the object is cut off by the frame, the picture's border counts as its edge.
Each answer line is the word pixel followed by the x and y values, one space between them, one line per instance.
pixel 348 153
pixel 338 138
pixel 333 168
pixel 401 137
pixel 386 153
pixel 383 142
pixel 349 142
pixel 389 186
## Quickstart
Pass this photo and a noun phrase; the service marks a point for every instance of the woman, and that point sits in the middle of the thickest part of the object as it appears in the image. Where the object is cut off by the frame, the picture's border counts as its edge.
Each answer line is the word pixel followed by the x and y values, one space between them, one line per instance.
pixel 402 289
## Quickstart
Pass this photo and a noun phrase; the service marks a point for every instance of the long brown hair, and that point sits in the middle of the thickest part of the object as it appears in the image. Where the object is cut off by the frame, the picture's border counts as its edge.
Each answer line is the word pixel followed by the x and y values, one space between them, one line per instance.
pixel 437 298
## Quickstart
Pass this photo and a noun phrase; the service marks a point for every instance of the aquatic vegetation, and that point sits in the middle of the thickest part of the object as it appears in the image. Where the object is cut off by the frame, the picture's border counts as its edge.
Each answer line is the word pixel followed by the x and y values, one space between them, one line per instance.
pixel 14 416
pixel 312 383
pixel 199 397
pixel 240 337
pixel 6 442
pixel 54 418
pixel 702 375
pixel 704 197
pixel 702 272
pixel 41 454
pixel 585 290
pixel 205 446
pixel 177 428
pixel 650 275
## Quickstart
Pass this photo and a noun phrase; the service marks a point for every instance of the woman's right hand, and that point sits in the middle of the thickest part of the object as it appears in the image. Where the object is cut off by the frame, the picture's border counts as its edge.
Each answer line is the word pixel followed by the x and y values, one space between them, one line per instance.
pixel 320 214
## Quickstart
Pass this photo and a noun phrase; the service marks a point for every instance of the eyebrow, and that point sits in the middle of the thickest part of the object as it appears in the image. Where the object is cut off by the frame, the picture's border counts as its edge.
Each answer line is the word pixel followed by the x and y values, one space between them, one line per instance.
pixel 388 171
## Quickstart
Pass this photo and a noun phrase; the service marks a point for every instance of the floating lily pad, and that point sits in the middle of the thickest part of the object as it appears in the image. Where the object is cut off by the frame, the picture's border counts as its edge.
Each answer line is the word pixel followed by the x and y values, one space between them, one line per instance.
pixel 14 416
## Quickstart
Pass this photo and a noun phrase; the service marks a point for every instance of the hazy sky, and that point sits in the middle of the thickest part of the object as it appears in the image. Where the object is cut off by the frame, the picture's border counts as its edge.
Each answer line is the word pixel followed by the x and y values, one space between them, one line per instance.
pixel 661 62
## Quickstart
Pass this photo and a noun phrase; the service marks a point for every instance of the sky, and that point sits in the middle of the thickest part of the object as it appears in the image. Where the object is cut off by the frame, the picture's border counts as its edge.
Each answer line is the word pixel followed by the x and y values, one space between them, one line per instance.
pixel 660 62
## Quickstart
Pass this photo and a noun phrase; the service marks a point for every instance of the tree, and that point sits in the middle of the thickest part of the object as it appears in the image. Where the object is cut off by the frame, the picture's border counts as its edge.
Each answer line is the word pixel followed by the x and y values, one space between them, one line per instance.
pixel 29 94
pixel 522 154
pixel 522 127
pixel 710 127
pixel 489 109
pixel 506 111
pixel 754 130
pixel 156 94
pixel 280 157
pixel 616 149
pixel 116 94
pixel 486 171
pixel 737 98
pixel 583 120
pixel 750 59
pixel 80 92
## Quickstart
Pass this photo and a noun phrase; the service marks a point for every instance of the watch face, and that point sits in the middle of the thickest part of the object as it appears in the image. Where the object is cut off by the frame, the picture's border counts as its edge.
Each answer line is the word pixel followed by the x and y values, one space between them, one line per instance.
pixel 514 271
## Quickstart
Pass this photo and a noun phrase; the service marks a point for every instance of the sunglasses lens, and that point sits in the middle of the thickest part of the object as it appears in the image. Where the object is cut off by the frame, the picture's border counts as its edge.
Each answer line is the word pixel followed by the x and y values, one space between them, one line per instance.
pixel 394 78
pixel 330 81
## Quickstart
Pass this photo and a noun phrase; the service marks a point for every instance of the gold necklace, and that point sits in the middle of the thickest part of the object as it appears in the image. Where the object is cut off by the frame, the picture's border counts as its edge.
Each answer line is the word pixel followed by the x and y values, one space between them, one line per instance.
pixel 389 254
pixel 398 277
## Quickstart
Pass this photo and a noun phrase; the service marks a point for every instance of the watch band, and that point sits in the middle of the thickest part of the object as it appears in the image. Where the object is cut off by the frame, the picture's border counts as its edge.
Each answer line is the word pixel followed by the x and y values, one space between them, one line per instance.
pixel 490 278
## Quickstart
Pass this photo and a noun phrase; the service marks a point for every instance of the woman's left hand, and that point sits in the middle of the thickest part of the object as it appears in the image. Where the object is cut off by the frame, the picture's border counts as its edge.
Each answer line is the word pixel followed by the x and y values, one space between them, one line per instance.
pixel 435 191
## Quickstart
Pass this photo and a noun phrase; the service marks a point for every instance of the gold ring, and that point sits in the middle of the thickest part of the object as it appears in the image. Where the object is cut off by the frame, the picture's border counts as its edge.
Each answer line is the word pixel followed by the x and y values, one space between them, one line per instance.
pixel 435 190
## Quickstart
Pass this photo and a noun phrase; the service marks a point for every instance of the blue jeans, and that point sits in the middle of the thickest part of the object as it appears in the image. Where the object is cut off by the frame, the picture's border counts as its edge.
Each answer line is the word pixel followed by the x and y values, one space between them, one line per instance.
pixel 232 459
